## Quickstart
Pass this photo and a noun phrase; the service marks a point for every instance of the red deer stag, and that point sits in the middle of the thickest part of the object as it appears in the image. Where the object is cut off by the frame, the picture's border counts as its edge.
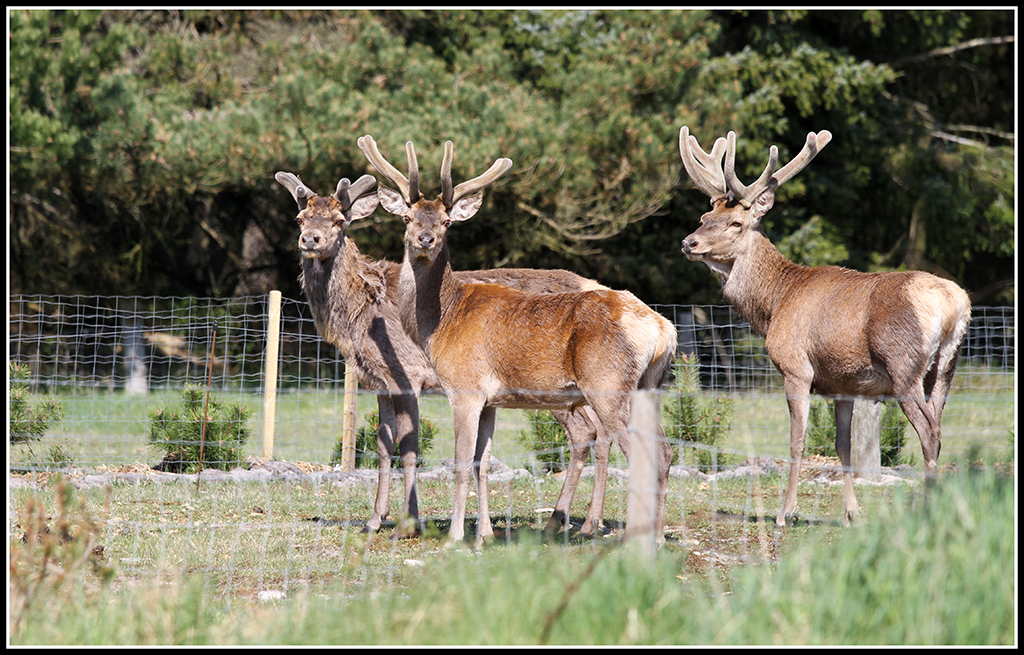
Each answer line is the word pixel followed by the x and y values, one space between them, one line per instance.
pixel 494 346
pixel 829 330
pixel 353 301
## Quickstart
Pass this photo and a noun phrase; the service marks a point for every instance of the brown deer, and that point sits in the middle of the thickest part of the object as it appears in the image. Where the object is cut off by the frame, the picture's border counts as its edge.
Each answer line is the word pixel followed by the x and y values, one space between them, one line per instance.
pixel 353 301
pixel 829 330
pixel 494 346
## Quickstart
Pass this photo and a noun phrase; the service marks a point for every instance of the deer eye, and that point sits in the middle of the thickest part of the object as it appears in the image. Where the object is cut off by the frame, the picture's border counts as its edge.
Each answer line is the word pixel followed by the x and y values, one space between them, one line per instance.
pixel 735 224
pixel 407 219
pixel 446 222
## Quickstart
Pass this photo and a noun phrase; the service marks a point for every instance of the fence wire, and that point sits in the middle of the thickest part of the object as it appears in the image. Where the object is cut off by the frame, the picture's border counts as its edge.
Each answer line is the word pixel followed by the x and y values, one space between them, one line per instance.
pixel 111 360
pixel 115 363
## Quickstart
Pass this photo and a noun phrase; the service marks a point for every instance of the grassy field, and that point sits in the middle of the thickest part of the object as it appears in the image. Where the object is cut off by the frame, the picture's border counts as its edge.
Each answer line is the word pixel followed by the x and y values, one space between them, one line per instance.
pixel 241 564
pixel 110 429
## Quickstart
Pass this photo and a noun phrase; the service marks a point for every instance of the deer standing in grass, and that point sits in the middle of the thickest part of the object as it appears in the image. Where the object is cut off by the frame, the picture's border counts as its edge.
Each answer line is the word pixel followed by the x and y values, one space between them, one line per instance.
pixel 829 330
pixel 493 346
pixel 353 301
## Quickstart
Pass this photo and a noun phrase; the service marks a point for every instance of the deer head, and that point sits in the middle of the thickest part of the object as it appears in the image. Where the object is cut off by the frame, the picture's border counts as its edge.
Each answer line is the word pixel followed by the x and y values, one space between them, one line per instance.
pixel 737 209
pixel 427 221
pixel 324 220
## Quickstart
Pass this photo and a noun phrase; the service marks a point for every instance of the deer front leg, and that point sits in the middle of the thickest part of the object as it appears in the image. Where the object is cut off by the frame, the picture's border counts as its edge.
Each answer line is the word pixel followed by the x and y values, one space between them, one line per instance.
pixel 386 435
pixel 407 418
pixel 799 400
pixel 482 457
pixel 844 422
pixel 466 423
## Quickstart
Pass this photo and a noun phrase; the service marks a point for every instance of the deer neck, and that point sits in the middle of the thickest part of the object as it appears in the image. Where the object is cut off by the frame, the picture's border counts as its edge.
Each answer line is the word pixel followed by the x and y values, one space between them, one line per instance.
pixel 339 288
pixel 426 291
pixel 757 282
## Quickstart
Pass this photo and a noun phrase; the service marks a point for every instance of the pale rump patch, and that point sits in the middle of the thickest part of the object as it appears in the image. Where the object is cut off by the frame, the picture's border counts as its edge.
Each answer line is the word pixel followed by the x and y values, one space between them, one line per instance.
pixel 943 308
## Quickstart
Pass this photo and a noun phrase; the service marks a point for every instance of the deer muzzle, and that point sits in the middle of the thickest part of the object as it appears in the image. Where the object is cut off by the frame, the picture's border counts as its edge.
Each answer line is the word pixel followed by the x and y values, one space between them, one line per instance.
pixel 311 243
pixel 691 247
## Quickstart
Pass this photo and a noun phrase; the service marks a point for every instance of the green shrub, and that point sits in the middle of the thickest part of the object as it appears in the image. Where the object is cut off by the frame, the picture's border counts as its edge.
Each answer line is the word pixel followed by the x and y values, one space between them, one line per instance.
pixel 691 417
pixel 821 428
pixel 894 435
pixel 28 422
pixel 366 442
pixel 180 436
pixel 546 439
pixel 821 432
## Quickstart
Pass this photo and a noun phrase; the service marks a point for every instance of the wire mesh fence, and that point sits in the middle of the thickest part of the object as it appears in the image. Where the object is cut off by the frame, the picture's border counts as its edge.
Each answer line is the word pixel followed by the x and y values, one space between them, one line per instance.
pixel 120 367
pixel 112 361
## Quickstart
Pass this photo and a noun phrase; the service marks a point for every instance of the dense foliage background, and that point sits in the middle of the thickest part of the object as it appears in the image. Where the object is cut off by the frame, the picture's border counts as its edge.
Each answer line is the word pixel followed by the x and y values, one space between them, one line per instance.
pixel 143 144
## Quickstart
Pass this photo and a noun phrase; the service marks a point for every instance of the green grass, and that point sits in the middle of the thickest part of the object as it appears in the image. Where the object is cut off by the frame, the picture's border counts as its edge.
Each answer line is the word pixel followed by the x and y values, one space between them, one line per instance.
pixel 931 565
pixel 110 429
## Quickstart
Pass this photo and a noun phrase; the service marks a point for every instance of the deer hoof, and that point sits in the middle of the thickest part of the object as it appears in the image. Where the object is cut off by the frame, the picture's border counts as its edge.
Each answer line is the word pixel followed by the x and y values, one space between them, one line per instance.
pixel 407 528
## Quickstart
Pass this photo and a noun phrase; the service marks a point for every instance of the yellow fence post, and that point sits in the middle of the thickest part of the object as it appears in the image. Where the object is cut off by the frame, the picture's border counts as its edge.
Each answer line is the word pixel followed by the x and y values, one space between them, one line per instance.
pixel 270 378
pixel 348 426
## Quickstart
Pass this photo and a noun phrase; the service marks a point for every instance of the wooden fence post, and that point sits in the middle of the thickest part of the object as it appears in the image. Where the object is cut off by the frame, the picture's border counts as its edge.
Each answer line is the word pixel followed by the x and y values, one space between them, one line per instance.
pixel 642 504
pixel 865 435
pixel 270 368
pixel 348 421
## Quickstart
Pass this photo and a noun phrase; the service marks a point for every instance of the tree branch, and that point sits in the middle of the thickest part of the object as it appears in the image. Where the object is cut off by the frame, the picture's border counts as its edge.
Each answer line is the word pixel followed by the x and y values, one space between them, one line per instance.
pixel 948 50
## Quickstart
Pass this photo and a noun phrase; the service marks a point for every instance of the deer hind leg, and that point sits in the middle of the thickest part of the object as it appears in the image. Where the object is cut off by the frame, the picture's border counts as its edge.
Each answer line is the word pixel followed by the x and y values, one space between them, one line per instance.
pixel 466 409
pixel 602 453
pixel 919 412
pixel 407 419
pixel 799 400
pixel 612 411
pixel 844 422
pixel 665 454
pixel 580 427
pixel 482 464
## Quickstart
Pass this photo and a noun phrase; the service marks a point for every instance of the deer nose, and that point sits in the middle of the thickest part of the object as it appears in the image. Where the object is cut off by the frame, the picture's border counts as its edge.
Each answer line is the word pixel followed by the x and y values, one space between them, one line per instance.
pixel 310 240
pixel 690 244
pixel 425 240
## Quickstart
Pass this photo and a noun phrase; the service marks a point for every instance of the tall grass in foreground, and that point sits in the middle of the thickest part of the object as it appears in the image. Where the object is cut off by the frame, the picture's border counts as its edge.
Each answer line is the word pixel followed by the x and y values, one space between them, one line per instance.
pixel 937 568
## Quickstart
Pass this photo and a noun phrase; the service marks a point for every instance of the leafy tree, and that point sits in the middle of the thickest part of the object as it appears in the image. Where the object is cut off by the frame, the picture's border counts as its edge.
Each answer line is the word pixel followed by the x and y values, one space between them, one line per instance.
pixel 144 143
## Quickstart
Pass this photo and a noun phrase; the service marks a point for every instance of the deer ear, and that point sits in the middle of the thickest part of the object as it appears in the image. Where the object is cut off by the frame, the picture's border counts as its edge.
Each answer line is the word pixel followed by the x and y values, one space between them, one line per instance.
pixel 763 203
pixel 392 200
pixel 466 208
pixel 362 207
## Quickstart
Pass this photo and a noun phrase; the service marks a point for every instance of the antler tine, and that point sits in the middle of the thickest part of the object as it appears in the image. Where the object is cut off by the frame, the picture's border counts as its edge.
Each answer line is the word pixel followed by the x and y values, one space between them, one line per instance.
pixel 369 148
pixel 812 146
pixel 414 173
pixel 704 169
pixel 300 192
pixel 347 193
pixel 447 192
pixel 469 187
pixel 747 194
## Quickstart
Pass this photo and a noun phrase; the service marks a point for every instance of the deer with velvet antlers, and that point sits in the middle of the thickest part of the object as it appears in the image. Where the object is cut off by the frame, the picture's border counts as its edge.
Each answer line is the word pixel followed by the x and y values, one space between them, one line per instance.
pixel 829 330
pixel 353 299
pixel 494 346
